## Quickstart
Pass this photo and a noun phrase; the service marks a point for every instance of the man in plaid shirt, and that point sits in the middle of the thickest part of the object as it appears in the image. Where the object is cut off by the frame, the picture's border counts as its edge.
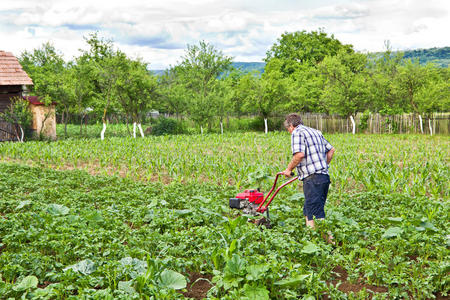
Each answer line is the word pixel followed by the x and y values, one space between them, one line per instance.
pixel 312 154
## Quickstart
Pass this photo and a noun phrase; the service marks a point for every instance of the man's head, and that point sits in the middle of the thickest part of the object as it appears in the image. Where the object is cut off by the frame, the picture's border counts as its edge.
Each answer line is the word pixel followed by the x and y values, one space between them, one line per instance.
pixel 291 121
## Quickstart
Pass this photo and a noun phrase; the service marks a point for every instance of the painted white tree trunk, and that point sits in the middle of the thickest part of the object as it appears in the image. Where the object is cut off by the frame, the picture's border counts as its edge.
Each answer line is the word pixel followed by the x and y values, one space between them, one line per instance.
pixel 266 129
pixel 102 134
pixel 429 124
pixel 21 134
pixel 134 129
pixel 140 129
pixel 201 129
pixel 421 124
pixel 353 124
pixel 221 127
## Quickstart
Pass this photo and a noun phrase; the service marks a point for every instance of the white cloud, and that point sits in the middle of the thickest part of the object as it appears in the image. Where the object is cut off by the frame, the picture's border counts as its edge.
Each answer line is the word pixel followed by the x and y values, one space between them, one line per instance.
pixel 159 31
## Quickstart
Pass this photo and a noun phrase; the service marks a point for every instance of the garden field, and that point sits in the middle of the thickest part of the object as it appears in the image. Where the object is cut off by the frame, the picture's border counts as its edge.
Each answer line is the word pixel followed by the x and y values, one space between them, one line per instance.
pixel 148 218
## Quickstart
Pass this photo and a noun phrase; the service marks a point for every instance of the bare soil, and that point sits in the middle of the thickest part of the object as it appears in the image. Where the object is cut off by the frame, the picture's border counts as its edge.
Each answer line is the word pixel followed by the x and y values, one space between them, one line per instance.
pixel 198 289
pixel 348 287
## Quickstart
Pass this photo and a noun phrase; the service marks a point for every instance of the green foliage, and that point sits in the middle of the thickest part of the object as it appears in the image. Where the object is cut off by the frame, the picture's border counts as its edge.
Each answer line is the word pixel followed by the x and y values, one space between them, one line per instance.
pixel 200 69
pixel 303 72
pixel 28 282
pixel 363 121
pixel 46 68
pixel 66 234
pixel 346 83
pixel 167 126
pixel 136 89
pixel 301 47
pixel 19 114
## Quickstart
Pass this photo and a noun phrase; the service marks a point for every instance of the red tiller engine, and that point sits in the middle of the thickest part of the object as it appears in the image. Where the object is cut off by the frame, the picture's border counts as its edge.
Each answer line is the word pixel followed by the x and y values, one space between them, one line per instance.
pixel 253 196
pixel 253 202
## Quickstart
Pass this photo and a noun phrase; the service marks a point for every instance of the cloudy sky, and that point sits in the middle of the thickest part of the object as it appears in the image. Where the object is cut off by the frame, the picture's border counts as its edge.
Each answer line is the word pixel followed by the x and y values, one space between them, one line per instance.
pixel 158 31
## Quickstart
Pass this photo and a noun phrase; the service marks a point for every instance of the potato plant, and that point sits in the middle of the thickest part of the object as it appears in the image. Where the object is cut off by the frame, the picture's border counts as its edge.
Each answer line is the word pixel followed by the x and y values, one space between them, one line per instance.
pixel 132 219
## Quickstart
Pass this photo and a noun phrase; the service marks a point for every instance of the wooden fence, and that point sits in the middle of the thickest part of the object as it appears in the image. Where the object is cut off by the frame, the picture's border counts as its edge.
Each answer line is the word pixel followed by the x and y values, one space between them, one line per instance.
pixel 376 123
pixel 7 132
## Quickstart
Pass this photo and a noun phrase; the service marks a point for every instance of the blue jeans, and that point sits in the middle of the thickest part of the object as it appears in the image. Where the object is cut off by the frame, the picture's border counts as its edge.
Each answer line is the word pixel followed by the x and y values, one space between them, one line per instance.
pixel 315 188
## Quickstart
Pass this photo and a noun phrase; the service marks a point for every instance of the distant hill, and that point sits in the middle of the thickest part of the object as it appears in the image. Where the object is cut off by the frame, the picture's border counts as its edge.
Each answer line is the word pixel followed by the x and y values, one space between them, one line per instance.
pixel 245 67
pixel 248 67
pixel 439 56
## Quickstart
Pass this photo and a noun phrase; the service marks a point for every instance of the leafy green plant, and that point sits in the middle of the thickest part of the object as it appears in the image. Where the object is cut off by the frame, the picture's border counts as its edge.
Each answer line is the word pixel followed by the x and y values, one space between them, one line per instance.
pixel 156 214
pixel 19 114
pixel 167 126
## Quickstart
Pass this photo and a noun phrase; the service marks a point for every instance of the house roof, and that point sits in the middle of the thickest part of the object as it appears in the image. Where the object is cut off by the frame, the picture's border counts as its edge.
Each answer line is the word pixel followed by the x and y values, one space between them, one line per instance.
pixel 35 100
pixel 11 72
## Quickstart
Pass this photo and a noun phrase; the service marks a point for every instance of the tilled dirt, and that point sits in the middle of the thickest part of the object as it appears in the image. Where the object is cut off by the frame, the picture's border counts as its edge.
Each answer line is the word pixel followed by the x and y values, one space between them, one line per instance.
pixel 198 285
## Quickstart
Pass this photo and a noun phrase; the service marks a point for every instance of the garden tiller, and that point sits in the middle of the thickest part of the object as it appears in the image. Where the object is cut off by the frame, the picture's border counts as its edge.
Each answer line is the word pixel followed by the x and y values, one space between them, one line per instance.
pixel 252 201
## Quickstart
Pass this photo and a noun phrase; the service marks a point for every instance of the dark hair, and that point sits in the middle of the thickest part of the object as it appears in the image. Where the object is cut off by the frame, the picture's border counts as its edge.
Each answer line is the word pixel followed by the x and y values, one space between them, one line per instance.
pixel 292 119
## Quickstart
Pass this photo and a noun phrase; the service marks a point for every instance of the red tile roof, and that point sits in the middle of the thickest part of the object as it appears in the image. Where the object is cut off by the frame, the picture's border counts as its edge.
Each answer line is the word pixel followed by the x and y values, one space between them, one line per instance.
pixel 11 72
pixel 33 100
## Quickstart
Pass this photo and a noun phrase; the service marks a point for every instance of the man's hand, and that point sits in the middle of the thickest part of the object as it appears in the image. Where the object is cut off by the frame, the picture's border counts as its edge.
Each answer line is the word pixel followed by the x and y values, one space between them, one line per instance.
pixel 330 155
pixel 287 173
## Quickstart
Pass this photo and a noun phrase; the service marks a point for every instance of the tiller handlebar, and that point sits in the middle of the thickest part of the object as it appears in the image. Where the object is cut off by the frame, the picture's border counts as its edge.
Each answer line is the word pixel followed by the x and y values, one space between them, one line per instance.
pixel 261 208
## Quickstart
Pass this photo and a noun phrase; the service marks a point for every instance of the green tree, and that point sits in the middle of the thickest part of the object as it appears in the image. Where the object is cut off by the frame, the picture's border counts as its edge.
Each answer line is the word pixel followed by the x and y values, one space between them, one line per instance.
pixel 44 65
pixel 222 94
pixel 434 95
pixel 346 84
pixel 136 91
pixel 48 70
pixel 297 48
pixel 173 92
pixel 383 71
pixel 265 95
pixel 83 88
pixel 105 63
pixel 305 90
pixel 18 113
pixel 296 57
pixel 200 69
pixel 235 101
pixel 410 79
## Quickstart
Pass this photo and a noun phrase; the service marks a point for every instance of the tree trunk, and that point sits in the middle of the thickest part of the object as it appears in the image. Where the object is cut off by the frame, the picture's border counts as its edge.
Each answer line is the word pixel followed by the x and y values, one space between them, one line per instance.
pixel 429 124
pixel 128 127
pixel 81 124
pixel 62 117
pixel 421 124
pixel 65 119
pixel 201 129
pixel 266 129
pixel 65 128
pixel 134 130
pixel 102 134
pixel 353 124
pixel 22 134
pixel 140 129
pixel 221 127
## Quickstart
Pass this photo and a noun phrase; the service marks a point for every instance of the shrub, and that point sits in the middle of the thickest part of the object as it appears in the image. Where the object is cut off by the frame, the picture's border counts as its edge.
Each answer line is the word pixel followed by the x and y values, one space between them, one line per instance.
pixel 19 114
pixel 167 126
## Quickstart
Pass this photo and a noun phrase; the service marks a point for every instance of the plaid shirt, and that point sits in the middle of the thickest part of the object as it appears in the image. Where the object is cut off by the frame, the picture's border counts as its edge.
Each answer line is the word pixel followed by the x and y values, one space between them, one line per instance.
pixel 311 142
